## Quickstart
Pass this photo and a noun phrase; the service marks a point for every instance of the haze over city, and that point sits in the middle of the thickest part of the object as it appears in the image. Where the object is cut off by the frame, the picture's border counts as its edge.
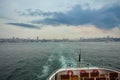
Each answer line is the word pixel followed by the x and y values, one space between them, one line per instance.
pixel 58 19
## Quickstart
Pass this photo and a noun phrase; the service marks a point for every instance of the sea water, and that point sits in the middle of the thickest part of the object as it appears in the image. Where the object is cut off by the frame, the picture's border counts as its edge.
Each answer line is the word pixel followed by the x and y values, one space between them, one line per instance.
pixel 37 61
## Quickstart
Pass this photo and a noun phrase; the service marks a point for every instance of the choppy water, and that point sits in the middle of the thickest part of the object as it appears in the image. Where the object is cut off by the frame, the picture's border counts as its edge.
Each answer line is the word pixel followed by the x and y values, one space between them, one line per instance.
pixel 36 61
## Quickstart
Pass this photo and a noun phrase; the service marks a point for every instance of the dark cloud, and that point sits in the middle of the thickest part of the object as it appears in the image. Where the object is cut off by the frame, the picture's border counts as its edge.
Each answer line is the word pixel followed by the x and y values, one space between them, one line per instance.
pixel 24 25
pixel 107 17
pixel 36 12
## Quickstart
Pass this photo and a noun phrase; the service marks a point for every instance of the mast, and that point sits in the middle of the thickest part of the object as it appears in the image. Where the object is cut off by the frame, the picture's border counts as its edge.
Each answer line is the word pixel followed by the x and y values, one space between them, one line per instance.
pixel 79 59
pixel 80 56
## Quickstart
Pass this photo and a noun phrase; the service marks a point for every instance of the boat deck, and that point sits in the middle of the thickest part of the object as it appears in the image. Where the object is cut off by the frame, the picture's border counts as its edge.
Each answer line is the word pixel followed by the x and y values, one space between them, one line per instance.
pixel 85 74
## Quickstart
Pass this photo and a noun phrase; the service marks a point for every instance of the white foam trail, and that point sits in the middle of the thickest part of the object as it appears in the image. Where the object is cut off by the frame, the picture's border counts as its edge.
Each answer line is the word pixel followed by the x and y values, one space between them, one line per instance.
pixel 51 58
pixel 44 72
pixel 67 61
pixel 63 61
pixel 46 67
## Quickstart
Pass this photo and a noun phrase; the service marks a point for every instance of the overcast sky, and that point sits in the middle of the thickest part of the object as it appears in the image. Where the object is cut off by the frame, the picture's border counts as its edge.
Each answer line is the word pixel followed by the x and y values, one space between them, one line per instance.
pixel 57 19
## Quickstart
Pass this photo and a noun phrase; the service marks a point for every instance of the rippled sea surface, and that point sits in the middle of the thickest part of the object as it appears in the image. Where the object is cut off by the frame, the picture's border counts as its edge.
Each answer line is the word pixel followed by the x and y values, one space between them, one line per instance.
pixel 36 61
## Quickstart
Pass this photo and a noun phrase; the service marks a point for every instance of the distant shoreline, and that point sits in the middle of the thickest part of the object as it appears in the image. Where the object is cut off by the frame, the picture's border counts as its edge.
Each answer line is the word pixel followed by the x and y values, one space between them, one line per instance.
pixel 18 40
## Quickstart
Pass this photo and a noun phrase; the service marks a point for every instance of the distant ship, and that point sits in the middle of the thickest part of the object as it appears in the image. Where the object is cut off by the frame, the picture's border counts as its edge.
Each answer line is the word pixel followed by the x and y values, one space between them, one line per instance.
pixel 81 72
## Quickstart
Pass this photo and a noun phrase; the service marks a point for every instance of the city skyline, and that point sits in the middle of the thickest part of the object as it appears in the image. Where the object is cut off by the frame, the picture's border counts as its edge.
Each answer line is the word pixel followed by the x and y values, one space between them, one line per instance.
pixel 59 19
pixel 21 40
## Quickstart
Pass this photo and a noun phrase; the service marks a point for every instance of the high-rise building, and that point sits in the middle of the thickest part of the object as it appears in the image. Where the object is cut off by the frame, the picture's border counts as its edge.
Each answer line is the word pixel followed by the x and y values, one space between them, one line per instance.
pixel 37 38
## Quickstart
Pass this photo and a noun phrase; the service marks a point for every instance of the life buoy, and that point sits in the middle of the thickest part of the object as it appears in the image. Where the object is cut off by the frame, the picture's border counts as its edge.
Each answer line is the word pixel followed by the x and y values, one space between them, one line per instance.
pixel 95 71
pixel 70 72
pixel 82 71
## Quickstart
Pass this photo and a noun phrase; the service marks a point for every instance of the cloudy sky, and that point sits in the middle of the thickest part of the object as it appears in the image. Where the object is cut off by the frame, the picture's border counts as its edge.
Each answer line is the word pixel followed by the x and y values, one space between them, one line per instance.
pixel 57 19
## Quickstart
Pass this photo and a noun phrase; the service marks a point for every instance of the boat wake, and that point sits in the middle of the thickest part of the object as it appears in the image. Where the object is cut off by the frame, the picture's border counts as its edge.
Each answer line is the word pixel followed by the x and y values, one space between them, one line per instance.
pixel 45 68
pixel 63 61
pixel 66 61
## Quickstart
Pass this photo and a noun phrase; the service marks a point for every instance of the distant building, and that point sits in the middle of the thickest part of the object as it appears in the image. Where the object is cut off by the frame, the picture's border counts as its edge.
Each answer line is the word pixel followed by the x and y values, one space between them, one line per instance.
pixel 37 38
